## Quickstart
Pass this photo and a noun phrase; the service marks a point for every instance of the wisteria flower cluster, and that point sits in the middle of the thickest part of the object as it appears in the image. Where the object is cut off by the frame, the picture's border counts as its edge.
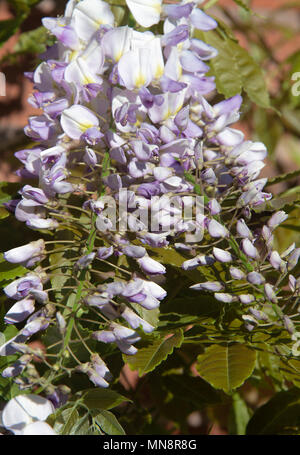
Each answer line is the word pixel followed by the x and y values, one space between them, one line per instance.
pixel 126 127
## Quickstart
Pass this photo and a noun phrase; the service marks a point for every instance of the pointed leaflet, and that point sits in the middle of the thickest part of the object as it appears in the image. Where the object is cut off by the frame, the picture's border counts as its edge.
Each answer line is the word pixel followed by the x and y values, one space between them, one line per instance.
pixel 66 421
pixel 102 399
pixel 81 427
pixel 223 66
pixel 235 69
pixel 226 367
pixel 147 359
pixel 108 423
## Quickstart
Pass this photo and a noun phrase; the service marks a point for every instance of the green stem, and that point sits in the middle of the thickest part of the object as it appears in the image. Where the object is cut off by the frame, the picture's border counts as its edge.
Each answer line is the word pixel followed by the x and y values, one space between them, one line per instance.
pixel 89 248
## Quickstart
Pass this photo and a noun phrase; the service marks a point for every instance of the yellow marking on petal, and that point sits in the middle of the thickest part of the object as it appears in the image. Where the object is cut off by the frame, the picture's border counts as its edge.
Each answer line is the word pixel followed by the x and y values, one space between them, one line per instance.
pixel 73 55
pixel 159 72
pixel 118 56
pixel 179 70
pixel 87 80
pixel 178 108
pixel 168 114
pixel 171 113
pixel 85 126
pixel 140 80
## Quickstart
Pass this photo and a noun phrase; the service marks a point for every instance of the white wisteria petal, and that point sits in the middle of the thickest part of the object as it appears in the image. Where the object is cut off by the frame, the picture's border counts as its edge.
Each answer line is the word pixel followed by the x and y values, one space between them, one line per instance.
pixel 94 56
pixel 89 15
pixel 145 12
pixel 135 68
pixel 76 120
pixel 171 105
pixel 79 72
pixel 19 311
pixel 70 8
pixel 117 42
pixel 173 68
pixel 22 410
pixel 25 252
pixel 150 41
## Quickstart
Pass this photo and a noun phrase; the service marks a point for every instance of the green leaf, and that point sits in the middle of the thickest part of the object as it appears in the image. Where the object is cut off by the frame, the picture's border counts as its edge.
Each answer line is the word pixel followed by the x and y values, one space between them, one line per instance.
pixel 81 427
pixel 103 399
pixel 66 421
pixel 235 69
pixel 108 423
pixel 239 416
pixel 150 316
pixel 94 430
pixel 8 28
pixel 8 191
pixel 290 227
pixel 223 66
pixel 34 41
pixel 10 271
pixel 23 6
pixel 282 411
pixel 226 367
pixel 147 359
pixel 3 213
pixel 290 370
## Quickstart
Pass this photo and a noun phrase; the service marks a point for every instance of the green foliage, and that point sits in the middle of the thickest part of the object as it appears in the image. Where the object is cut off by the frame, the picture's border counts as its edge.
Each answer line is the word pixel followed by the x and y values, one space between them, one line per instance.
pixel 8 191
pixel 239 416
pixel 9 27
pixel 235 70
pixel 102 399
pixel 33 42
pixel 226 367
pixel 66 420
pixel 108 423
pixel 9 272
pixel 150 357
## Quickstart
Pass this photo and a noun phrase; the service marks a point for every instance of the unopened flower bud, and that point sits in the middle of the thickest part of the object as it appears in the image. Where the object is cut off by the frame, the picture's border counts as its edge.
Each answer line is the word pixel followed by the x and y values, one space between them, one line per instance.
pixel 213 286
pixel 270 293
pixel 222 255
pixel 255 278
pixel 243 230
pixel 249 249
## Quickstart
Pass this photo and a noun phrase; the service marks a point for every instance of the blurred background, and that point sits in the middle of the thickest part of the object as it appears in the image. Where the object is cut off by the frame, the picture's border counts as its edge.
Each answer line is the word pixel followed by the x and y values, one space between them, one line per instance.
pixel 271 34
